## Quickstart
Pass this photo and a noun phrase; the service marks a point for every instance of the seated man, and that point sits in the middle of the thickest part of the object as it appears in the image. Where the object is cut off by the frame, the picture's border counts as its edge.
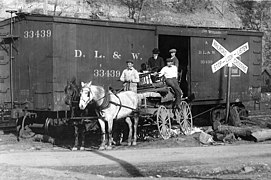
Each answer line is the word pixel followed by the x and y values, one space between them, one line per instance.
pixel 170 72
pixel 155 63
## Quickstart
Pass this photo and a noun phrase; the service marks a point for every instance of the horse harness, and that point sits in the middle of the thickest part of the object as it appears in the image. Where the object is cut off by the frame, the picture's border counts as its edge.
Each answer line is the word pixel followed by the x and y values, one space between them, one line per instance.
pixel 107 101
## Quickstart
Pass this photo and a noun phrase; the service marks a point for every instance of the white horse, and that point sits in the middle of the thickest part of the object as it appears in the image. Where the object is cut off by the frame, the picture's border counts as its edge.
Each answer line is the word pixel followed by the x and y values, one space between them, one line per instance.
pixel 111 107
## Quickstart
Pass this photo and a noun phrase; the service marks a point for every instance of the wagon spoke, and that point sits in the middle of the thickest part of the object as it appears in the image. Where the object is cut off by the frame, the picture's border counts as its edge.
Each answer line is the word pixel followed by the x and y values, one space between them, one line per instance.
pixel 163 122
pixel 186 123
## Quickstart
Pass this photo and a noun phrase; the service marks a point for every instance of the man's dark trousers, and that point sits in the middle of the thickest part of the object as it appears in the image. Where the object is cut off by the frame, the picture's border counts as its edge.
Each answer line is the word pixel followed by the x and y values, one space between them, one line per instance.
pixel 173 83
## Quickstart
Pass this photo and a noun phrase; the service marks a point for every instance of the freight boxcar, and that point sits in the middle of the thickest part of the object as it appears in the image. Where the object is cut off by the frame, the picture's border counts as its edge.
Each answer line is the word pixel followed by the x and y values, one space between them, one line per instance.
pixel 47 51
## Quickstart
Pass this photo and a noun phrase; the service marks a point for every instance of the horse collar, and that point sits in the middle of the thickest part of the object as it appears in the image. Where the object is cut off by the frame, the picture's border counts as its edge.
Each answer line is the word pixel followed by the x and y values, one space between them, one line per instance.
pixel 106 101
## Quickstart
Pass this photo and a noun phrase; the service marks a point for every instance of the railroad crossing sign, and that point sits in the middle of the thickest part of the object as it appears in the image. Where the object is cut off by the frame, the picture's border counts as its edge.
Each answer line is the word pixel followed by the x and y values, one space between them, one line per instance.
pixel 229 58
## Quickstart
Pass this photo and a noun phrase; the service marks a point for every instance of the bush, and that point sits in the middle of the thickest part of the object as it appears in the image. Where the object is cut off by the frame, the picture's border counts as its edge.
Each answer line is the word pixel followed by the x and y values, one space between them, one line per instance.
pixel 192 5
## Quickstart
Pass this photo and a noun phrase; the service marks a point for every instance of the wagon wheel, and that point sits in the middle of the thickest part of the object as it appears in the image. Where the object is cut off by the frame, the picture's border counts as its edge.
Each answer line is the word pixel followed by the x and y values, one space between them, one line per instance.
pixel 163 122
pixel 184 117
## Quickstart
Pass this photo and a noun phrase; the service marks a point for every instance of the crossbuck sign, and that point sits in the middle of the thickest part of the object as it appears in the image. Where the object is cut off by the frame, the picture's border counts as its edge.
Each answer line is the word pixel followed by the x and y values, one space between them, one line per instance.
pixel 229 58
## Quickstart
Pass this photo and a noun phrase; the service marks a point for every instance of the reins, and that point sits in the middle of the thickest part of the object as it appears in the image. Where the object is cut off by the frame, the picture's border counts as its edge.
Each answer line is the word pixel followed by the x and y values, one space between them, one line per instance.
pixel 122 105
pixel 116 105
pixel 106 102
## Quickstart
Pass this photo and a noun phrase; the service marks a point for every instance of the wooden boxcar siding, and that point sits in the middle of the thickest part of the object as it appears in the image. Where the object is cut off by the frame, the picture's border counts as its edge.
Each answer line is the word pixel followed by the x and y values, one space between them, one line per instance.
pixel 33 65
pixel 96 53
pixel 61 48
pixel 4 68
pixel 240 82
pixel 209 86
pixel 256 67
pixel 204 84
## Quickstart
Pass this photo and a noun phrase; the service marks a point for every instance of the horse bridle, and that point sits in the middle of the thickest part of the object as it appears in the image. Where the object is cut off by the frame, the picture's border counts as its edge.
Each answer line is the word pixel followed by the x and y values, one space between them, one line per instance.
pixel 74 90
pixel 88 95
pixel 106 101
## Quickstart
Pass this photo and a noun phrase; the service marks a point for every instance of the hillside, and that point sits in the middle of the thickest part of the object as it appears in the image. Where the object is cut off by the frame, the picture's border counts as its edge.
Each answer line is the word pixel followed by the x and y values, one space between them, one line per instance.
pixel 207 13
pixel 162 12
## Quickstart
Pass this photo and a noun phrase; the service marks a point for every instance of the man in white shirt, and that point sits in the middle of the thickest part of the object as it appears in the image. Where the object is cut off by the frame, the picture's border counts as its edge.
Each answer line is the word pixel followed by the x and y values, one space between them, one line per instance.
pixel 170 72
pixel 130 77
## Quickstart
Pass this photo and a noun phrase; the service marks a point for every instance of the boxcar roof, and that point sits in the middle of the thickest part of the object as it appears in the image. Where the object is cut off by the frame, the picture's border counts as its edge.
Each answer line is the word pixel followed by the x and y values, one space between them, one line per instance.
pixel 162 29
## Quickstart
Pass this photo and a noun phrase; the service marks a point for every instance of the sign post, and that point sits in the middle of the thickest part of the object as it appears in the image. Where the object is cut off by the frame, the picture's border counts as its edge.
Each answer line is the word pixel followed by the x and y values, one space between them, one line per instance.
pixel 229 59
pixel 228 92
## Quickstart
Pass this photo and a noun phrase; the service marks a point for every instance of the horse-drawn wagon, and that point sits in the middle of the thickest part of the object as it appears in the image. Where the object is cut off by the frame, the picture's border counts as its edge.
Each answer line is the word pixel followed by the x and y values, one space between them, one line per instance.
pixel 157 101
pixel 49 50
pixel 154 101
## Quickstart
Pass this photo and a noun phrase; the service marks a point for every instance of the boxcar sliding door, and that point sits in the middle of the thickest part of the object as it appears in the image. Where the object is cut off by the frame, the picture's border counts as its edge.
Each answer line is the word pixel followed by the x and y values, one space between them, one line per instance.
pixel 206 86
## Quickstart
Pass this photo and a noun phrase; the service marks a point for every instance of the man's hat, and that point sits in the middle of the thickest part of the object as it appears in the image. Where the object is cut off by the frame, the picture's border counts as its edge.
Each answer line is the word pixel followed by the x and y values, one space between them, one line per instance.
pixel 130 60
pixel 169 60
pixel 155 51
pixel 172 50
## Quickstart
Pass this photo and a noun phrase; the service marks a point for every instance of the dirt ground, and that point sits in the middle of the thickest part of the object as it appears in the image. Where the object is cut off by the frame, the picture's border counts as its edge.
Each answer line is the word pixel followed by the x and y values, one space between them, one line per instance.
pixel 243 167
pixel 36 160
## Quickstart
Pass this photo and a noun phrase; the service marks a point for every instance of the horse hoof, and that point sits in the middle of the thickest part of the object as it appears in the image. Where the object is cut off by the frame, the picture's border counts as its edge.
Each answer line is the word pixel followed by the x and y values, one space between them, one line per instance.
pixel 101 148
pixel 74 149
pixel 109 147
pixel 134 144
pixel 82 148
pixel 129 143
pixel 117 143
